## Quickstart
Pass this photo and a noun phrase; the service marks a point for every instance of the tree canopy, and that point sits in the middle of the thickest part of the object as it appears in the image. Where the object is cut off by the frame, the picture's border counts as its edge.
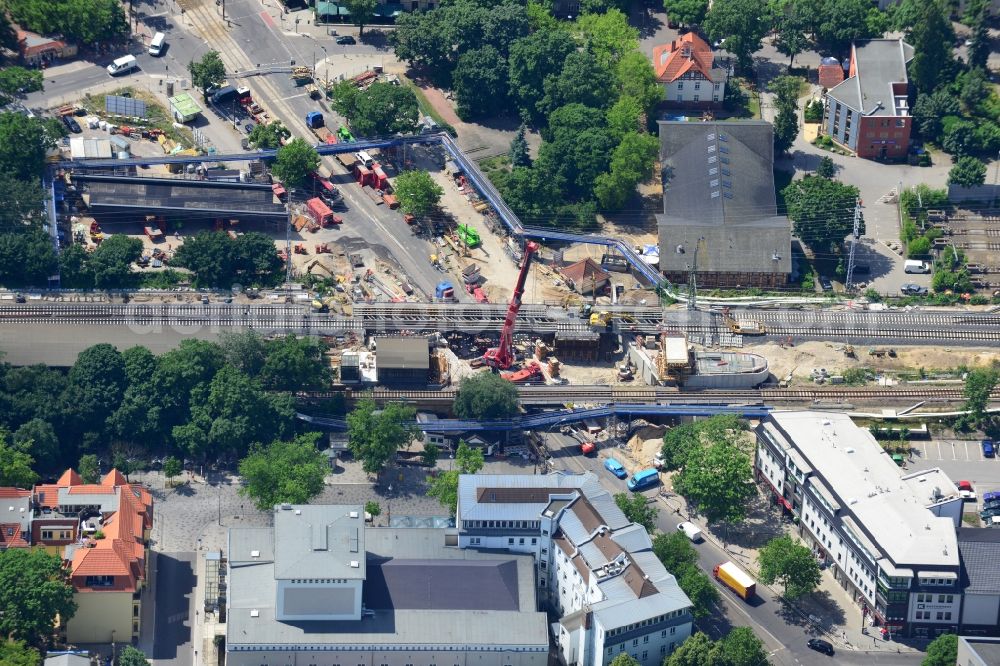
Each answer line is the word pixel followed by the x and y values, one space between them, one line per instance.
pixel 740 647
pixel 822 211
pixel 637 509
pixel 979 386
pixel 967 172
pixel 485 397
pixel 268 135
pixel 24 142
pixel 34 591
pixel 18 653
pixel 381 109
pixel 444 487
pixel 361 11
pixel 284 472
pixel 376 435
pixel 17 81
pixel 15 466
pixel 942 651
pixel 686 12
pixel 295 160
pixel 678 556
pixel 220 261
pixel 27 258
pixel 417 192
pixel 208 71
pixel 791 564
pixel 480 81
pixel 80 21
pixel 131 656
pixel 742 23
pixel 716 478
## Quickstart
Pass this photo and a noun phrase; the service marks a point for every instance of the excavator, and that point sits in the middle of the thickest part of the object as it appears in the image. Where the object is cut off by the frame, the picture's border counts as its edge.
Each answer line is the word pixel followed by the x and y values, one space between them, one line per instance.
pixel 501 357
pixel 605 319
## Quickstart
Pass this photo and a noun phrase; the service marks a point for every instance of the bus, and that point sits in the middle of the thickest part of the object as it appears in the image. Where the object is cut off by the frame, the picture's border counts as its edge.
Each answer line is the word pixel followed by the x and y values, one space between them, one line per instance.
pixel 646 478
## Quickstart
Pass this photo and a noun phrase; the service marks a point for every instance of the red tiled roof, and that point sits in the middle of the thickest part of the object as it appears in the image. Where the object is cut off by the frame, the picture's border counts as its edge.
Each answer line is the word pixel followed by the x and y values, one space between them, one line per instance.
pixel 831 75
pixel 13 493
pixel 10 536
pixel 47 495
pixel 113 478
pixel 91 489
pixel 69 478
pixel 685 54
pixel 584 272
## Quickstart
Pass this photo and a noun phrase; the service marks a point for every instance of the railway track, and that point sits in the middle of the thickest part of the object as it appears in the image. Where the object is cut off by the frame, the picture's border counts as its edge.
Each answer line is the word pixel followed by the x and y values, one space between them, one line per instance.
pixel 885 327
pixel 607 394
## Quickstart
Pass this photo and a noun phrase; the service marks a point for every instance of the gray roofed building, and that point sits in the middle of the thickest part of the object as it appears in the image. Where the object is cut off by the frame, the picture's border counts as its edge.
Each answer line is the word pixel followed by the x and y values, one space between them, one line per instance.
pixel 420 594
pixel 402 360
pixel 320 541
pixel 877 66
pixel 597 568
pixel 68 659
pixel 719 200
pixel 980 581
pixel 978 651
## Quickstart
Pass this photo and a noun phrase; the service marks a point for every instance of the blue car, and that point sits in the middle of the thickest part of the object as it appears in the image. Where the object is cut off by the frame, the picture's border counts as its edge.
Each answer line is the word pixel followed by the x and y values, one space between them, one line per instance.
pixel 988 449
pixel 615 468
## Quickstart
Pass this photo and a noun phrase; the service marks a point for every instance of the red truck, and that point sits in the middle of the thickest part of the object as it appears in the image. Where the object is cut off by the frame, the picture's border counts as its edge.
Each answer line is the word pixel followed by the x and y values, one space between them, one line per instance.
pixel 321 213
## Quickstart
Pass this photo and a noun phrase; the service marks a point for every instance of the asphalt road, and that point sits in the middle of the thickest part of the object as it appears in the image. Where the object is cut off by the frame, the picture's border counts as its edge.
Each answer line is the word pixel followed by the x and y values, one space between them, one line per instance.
pixel 174 612
pixel 785 639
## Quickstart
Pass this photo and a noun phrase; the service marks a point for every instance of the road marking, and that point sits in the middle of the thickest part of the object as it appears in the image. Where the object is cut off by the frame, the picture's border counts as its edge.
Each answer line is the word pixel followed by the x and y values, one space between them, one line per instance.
pixel 294 96
pixel 939 456
pixel 267 19
pixel 967 456
pixel 954 452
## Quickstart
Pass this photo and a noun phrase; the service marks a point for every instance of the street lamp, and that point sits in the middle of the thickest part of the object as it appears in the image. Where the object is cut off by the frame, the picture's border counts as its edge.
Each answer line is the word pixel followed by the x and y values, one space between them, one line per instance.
pixel 388 502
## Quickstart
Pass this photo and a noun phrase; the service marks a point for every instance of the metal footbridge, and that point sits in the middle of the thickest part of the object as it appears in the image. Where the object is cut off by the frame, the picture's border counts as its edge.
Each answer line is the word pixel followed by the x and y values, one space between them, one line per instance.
pixel 560 417
pixel 470 168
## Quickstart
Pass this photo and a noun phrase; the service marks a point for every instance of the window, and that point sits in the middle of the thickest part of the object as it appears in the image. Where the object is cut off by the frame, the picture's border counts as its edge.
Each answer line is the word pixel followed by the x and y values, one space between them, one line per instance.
pixel 663 649
pixel 521 541
pixel 696 98
pixel 697 85
pixel 673 630
pixel 680 85
pixel 545 532
pixel 635 642
pixel 545 551
pixel 100 581
pixel 947 615
pixel 663 633
pixel 610 649
pixel 717 86
pixel 900 122
pixel 680 98
pixel 644 655
pixel 715 98
pixel 534 541
pixel 545 565
pixel 510 541
pixel 645 639
pixel 940 615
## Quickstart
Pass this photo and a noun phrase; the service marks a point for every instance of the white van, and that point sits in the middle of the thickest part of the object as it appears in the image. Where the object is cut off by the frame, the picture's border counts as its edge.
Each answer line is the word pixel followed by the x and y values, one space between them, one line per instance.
pixel 914 266
pixel 122 65
pixel 156 46
pixel 691 531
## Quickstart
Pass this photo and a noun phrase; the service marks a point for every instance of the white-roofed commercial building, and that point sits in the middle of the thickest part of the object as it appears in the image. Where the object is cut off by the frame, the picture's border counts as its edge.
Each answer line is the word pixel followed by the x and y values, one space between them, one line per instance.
pixel 596 569
pixel 889 537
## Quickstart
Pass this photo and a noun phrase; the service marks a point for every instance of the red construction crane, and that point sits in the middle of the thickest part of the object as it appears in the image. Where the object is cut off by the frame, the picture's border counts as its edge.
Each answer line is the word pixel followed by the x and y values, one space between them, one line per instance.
pixel 502 356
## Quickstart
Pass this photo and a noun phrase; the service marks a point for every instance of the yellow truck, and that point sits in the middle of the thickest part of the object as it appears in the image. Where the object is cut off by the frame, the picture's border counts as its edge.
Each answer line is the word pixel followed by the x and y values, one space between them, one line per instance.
pixel 736 580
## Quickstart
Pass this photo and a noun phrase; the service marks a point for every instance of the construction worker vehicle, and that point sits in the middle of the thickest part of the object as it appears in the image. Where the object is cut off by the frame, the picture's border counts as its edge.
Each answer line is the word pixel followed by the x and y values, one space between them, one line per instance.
pixel 501 357
pixel 743 326
pixel 606 319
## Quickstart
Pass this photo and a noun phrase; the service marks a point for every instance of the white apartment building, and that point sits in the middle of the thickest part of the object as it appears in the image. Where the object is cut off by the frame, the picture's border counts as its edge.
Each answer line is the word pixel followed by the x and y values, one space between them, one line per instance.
pixel 595 568
pixel 888 537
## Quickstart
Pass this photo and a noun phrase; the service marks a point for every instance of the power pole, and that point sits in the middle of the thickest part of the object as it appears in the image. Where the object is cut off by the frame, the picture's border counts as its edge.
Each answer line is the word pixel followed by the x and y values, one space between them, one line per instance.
pixel 854 243
pixel 288 239
pixel 693 277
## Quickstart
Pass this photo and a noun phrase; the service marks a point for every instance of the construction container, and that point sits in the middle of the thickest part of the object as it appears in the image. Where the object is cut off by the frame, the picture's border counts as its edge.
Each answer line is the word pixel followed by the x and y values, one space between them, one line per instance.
pixel 554 366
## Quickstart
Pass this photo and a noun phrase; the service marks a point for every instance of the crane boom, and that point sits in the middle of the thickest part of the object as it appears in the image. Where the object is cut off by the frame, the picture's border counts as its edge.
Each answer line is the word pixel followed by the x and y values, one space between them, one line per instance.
pixel 502 356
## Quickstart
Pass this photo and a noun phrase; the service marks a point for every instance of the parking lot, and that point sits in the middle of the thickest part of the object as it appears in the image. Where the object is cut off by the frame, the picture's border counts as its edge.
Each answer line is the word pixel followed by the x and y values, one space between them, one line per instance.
pixel 961 460
pixel 952 450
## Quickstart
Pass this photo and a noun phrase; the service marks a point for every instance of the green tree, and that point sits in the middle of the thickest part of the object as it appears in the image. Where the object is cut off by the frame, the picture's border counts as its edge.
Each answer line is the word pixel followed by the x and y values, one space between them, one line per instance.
pixel 208 71
pixel 26 258
pixel 637 79
pixel 680 442
pixel 430 454
pixel 624 659
pixel 631 163
pixel 742 23
pixel 696 650
pixel 131 656
pixel 930 109
pixel 361 11
pixel 582 80
pixel 608 36
pixel 384 109
pixel 675 551
pixel 247 351
pixel 791 564
pixel 373 509
pixel 519 149
pixel 791 21
pixel 975 89
pixel 979 386
pixel 33 593
pixel 295 364
pixel 24 142
pixel 89 469
pixel 717 480
pixel 218 261
pixel 624 117
pixel 171 469
pixel 284 472
pixel 20 203
pixel 741 647
pixel 111 263
pixel 959 139
pixel 417 192
pixel 485 397
pixel 840 22
pixel 932 38
pixel 686 12
pixel 942 651
pixel 73 270
pixel 637 509
pixel 979 49
pixel 375 436
pixel 15 466
pixel 822 211
pixel 480 82
pixel 918 247
pixel 699 589
pixel 269 135
pixel 786 128
pixel 17 81
pixel 97 382
pixel 38 439
pixel 294 161
pixel 533 59
pixel 18 653
pixel 967 172
pixel 444 487
pixel 826 168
